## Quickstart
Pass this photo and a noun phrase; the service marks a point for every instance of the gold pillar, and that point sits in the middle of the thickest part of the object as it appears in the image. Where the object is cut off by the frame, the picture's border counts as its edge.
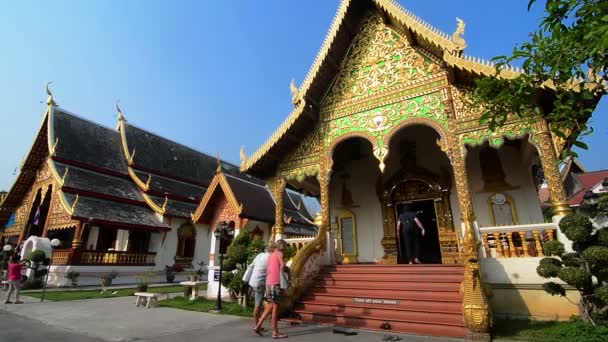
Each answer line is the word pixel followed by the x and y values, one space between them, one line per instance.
pixel 550 164
pixel 475 303
pixel 323 177
pixel 77 242
pixel 277 186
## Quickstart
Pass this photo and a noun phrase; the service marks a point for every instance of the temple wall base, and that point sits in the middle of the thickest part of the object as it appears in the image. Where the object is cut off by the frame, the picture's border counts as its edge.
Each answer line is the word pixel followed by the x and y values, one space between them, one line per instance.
pixel 516 291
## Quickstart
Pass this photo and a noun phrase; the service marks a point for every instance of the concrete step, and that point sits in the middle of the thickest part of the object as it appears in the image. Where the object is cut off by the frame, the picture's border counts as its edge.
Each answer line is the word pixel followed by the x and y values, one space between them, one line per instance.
pixel 439 306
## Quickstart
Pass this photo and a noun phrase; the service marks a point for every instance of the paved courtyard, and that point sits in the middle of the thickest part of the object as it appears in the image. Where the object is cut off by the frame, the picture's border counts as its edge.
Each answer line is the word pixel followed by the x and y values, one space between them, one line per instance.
pixel 117 319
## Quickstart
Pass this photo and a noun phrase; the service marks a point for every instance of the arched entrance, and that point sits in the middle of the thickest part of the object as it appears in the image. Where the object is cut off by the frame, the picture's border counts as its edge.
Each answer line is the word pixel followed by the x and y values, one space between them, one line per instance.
pixel 418 178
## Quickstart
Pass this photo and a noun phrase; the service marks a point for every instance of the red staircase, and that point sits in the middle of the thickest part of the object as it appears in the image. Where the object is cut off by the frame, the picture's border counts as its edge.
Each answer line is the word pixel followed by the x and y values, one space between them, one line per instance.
pixel 415 299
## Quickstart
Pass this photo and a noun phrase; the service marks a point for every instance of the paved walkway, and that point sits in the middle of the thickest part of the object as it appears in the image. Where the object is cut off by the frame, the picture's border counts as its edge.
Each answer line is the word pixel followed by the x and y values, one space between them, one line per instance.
pixel 117 319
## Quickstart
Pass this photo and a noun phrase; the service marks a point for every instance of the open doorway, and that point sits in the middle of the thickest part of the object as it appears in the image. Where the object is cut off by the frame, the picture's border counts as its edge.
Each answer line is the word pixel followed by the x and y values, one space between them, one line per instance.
pixel 428 245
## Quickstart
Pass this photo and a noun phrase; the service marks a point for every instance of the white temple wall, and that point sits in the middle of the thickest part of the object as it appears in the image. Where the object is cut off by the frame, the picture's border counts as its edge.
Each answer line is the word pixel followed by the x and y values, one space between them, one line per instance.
pixel 367 210
pixel 517 174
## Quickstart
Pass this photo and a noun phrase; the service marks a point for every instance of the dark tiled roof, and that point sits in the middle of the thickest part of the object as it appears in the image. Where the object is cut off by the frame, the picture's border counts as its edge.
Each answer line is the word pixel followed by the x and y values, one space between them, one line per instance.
pixel 169 158
pixel 86 142
pixel 297 204
pixel 114 212
pixel 163 185
pixel 176 208
pixel 257 201
pixel 86 180
pixel 296 229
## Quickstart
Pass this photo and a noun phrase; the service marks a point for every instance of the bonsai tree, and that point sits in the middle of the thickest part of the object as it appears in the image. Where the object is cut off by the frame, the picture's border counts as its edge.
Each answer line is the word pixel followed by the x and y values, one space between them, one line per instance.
pixel 36 259
pixel 241 251
pixel 586 269
pixel 73 278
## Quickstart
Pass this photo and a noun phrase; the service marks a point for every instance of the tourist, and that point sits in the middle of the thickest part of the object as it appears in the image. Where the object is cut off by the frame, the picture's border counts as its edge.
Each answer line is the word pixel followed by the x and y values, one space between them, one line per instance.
pixel 276 265
pixel 407 228
pixel 256 278
pixel 14 278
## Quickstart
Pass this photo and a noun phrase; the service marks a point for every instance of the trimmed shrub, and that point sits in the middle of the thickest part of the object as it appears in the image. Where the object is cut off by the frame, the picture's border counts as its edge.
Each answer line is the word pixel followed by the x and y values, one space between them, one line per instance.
pixel 602 293
pixel 548 267
pixel 596 255
pixel 554 248
pixel 576 227
pixel 572 260
pixel 576 277
pixel 554 288
pixel 602 237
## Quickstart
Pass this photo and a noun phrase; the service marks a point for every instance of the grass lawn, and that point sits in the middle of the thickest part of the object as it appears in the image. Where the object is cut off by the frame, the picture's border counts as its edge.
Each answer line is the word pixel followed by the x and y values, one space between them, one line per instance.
pixel 95 294
pixel 204 305
pixel 550 331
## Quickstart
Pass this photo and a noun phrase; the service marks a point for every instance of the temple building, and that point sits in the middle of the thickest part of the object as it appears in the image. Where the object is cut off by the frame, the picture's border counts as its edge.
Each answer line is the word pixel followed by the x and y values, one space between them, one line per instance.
pixel 123 200
pixel 384 123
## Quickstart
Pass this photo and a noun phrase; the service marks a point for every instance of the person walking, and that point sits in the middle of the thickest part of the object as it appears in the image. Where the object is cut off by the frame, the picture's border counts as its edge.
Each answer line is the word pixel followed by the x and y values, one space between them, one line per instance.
pixel 276 265
pixel 407 227
pixel 14 278
pixel 257 280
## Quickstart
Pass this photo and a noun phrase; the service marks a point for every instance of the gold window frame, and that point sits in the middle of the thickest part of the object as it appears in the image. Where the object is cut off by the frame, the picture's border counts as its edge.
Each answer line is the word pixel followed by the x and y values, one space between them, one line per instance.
pixel 508 199
pixel 348 258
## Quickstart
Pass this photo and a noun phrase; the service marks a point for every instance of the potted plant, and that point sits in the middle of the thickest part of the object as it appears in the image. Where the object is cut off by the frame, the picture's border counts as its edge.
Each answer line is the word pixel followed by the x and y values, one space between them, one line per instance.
pixel 73 278
pixel 170 271
pixel 202 269
pixel 106 278
pixel 143 280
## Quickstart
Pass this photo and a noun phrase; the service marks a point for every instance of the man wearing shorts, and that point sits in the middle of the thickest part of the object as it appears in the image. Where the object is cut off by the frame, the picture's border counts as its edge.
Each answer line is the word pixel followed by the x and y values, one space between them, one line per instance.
pixel 257 281
pixel 273 289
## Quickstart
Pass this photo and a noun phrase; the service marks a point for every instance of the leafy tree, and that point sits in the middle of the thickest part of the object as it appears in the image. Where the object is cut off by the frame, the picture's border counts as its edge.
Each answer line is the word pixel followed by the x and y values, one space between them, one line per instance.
pixel 241 251
pixel 586 269
pixel 36 259
pixel 569 52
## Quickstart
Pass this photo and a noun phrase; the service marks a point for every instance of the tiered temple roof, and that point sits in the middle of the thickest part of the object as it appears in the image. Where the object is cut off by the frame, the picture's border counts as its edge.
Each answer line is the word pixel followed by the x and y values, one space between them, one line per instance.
pixel 125 177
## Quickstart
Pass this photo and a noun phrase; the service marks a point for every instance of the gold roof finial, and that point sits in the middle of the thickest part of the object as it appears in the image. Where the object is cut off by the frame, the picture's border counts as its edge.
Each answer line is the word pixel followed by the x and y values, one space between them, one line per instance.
pixel 165 204
pixel 295 92
pixel 219 163
pixel 75 203
pixel 243 156
pixel 50 101
pixel 149 180
pixel 120 116
pixel 65 175
pixel 457 38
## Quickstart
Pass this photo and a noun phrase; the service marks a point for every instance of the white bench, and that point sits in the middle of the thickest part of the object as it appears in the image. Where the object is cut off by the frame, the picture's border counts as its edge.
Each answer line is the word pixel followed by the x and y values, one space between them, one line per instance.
pixel 192 288
pixel 5 285
pixel 151 299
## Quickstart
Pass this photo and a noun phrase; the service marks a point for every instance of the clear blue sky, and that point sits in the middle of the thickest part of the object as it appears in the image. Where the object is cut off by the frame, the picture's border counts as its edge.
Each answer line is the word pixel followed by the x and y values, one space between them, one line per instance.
pixel 213 75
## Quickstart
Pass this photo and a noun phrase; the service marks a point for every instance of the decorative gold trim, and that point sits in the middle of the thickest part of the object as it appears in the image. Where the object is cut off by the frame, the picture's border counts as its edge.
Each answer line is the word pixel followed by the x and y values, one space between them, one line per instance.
pixel 143 186
pixel 150 202
pixel 50 101
pixel 348 258
pixel 218 180
pixel 508 199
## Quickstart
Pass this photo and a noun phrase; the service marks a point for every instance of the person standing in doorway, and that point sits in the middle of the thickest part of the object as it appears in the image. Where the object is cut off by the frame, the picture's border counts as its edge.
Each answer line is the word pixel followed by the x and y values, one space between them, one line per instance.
pixel 408 226
pixel 276 265
pixel 257 281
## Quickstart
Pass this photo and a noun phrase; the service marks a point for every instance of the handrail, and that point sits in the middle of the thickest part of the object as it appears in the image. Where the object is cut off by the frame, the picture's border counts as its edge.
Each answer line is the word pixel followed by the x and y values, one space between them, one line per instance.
pixel 518 241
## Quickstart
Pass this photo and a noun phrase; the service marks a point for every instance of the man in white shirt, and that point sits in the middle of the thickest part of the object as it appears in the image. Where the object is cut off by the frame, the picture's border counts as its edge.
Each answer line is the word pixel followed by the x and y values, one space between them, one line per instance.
pixel 257 281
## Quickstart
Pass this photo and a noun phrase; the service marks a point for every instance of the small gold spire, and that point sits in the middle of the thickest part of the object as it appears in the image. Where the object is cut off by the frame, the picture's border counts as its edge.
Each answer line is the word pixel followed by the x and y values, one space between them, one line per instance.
pixel 219 164
pixel 295 92
pixel 149 180
pixel 165 204
pixel 54 147
pixel 119 110
pixel 132 156
pixel 192 217
pixel 457 38
pixel 243 156
pixel 65 175
pixel 75 203
pixel 50 101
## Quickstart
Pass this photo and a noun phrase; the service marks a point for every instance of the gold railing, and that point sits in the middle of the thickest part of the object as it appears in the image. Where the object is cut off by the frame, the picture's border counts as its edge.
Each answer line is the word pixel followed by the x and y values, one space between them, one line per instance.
pixel 61 256
pixel 116 258
pixel 299 243
pixel 517 241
